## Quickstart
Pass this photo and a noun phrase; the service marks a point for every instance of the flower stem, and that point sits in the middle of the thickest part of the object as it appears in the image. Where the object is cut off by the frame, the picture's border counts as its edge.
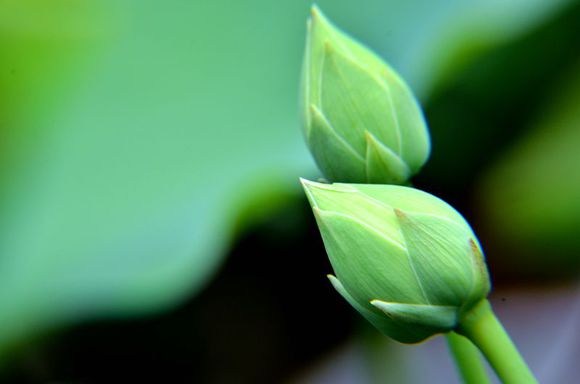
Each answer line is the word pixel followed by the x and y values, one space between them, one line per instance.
pixel 467 359
pixel 482 327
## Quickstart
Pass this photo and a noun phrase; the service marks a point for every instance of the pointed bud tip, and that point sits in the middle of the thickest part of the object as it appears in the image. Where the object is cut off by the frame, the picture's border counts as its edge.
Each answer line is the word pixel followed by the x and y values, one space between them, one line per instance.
pixel 368 136
pixel 318 17
pixel 324 185
pixel 314 11
pixel 383 306
pixel 328 48
pixel 313 109
pixel 311 185
pixel 379 304
pixel 335 284
pixel 308 184
pixel 400 214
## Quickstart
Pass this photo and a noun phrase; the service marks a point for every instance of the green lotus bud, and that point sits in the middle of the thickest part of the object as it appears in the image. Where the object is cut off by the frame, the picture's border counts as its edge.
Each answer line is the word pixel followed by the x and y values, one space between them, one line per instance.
pixel 406 260
pixel 361 121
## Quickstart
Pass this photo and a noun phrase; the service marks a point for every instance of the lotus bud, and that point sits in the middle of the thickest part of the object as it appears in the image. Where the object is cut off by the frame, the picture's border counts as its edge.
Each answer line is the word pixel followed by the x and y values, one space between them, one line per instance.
pixel 406 260
pixel 361 121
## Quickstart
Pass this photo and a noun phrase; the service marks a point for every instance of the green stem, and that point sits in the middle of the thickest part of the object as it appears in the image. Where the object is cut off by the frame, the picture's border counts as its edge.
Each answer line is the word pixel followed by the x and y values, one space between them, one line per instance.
pixel 482 327
pixel 467 359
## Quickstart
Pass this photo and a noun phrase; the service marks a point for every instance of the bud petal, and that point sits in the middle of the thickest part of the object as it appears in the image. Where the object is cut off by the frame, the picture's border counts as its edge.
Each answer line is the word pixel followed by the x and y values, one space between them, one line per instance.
pixel 383 165
pixel 356 100
pixel 365 104
pixel 357 252
pixel 370 315
pixel 450 273
pixel 327 146
pixel 401 254
pixel 379 321
pixel 429 316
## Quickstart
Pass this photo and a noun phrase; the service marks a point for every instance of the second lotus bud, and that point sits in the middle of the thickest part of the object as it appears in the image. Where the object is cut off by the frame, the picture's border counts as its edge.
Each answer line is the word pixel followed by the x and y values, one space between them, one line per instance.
pixel 406 260
pixel 361 121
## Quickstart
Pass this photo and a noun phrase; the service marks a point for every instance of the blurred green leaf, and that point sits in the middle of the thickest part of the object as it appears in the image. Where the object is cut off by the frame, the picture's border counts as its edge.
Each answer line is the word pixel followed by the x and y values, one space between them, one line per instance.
pixel 121 200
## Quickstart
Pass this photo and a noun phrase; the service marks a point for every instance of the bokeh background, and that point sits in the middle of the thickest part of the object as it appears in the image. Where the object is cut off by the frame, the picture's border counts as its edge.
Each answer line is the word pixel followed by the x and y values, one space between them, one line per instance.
pixel 152 227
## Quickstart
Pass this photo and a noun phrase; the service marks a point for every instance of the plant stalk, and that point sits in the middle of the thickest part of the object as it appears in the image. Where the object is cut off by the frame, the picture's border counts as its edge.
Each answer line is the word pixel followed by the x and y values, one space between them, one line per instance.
pixel 482 327
pixel 467 359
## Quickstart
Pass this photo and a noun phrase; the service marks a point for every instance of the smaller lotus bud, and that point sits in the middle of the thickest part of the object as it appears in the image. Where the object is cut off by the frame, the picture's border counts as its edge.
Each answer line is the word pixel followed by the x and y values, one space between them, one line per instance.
pixel 406 260
pixel 361 121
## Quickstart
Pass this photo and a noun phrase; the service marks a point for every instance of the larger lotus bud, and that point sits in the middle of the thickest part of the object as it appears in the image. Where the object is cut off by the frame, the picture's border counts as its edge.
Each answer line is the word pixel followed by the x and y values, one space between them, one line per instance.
pixel 406 260
pixel 361 121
